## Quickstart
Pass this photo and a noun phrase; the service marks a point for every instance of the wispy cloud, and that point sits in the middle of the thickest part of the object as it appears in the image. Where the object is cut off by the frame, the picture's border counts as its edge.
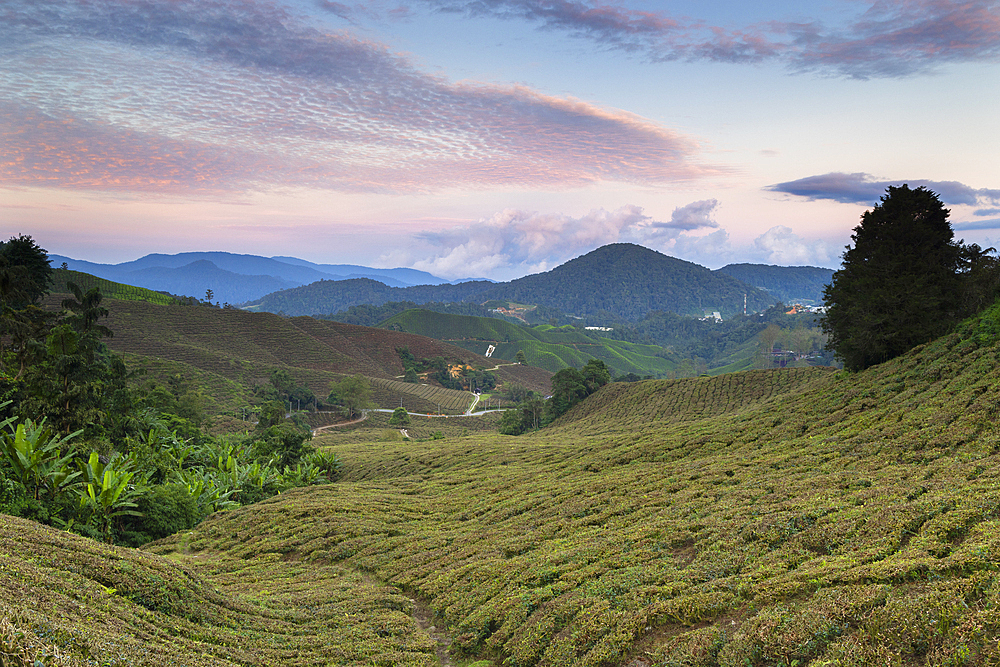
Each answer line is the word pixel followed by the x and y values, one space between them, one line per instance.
pixel 862 188
pixel 901 37
pixel 891 38
pixel 976 225
pixel 513 242
pixel 518 242
pixel 778 245
pixel 212 95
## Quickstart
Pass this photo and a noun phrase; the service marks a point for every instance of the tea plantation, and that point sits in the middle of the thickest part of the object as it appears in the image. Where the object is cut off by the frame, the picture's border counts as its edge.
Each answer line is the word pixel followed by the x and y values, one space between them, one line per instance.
pixel 784 517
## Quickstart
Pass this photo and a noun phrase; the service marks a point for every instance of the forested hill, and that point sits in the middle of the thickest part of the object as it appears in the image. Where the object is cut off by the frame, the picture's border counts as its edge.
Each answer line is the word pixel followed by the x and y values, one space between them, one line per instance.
pixel 628 281
pixel 330 296
pixel 788 284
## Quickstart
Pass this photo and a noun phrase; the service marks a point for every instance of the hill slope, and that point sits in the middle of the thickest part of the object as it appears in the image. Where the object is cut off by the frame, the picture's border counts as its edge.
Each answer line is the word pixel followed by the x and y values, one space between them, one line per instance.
pixel 70 602
pixel 547 347
pixel 850 519
pixel 765 518
pixel 628 281
pixel 229 351
pixel 788 284
pixel 109 289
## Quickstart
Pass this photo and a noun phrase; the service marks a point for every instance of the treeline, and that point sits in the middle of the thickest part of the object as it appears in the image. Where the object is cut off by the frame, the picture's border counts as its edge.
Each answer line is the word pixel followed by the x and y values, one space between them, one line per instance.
pixel 450 376
pixel 87 447
pixel 369 315
pixel 569 387
pixel 622 280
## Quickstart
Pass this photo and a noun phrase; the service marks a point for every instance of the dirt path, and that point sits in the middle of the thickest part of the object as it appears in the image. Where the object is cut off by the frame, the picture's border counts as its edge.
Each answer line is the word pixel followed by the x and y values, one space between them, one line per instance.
pixel 360 419
pixel 424 617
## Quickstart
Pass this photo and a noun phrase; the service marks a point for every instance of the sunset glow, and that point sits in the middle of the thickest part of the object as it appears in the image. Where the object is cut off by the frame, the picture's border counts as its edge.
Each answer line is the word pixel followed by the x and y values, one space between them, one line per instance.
pixel 489 139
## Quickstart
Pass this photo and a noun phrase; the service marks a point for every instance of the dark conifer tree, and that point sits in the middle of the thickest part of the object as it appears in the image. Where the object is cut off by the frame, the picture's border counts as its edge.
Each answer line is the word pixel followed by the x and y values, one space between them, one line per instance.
pixel 900 284
pixel 25 272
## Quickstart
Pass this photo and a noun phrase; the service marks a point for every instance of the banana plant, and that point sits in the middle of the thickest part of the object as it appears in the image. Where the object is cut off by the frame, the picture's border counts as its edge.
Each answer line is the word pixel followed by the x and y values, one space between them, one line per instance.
pixel 206 490
pixel 108 490
pixel 35 453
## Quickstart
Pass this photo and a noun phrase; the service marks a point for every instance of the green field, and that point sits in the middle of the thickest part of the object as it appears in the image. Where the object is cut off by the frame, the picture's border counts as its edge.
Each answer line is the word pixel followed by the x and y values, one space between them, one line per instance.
pixel 228 352
pixel 544 346
pixel 109 289
pixel 765 518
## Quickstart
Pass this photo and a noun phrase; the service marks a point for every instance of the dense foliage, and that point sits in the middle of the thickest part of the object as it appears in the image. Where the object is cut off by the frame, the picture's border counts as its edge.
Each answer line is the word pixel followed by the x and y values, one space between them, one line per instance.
pixel 788 284
pixel 569 387
pixel 368 315
pixel 25 273
pixel 902 283
pixel 84 448
pixel 622 280
pixel 352 395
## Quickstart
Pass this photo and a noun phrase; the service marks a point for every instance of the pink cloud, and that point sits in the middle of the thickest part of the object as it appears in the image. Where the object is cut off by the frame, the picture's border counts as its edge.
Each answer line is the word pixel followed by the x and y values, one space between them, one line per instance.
pixel 214 96
pixel 891 38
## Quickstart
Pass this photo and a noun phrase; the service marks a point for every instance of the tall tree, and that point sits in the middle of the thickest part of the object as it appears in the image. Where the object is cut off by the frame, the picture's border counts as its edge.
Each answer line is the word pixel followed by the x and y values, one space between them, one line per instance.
pixel 898 286
pixel 25 272
pixel 570 386
pixel 353 394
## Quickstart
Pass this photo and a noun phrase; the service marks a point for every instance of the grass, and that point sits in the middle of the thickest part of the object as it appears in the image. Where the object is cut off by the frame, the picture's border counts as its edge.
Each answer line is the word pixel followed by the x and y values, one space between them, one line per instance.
pixel 768 518
pixel 109 289
pixel 545 346
pixel 227 352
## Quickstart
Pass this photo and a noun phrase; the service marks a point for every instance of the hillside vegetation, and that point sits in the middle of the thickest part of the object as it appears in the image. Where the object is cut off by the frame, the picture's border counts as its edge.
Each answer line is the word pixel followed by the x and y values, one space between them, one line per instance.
pixel 551 348
pixel 783 517
pixel 788 284
pixel 620 281
pixel 759 518
pixel 229 351
pixel 110 289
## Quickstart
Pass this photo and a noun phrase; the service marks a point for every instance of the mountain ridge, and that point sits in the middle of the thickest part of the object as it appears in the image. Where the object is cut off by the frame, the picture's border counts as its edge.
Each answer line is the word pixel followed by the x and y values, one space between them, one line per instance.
pixel 788 284
pixel 623 279
pixel 235 278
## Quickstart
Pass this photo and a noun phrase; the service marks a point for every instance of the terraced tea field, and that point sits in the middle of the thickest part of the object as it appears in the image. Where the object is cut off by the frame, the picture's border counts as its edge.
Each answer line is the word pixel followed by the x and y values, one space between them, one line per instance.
pixel 808 517
pixel 229 351
pixel 421 397
pixel 109 289
pixel 773 518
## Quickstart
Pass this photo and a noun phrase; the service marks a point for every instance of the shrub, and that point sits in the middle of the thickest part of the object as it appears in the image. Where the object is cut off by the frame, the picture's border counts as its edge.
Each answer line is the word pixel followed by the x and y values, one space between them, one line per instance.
pixel 284 445
pixel 400 417
pixel 165 510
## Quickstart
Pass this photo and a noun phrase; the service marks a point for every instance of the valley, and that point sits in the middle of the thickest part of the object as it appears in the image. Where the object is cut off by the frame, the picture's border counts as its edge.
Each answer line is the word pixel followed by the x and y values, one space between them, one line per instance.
pixel 769 516
pixel 795 515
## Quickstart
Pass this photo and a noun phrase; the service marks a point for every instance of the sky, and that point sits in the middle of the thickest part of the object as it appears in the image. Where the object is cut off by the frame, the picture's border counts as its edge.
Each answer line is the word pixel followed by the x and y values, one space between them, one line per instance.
pixel 490 138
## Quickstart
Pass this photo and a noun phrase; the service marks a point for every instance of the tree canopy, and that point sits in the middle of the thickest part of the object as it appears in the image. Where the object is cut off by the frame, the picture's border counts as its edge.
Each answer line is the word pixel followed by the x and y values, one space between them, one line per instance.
pixel 25 272
pixel 903 283
pixel 352 394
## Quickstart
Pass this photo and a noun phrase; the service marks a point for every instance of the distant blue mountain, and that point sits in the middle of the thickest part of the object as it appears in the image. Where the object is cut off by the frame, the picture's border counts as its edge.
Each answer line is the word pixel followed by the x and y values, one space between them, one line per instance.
pixel 391 277
pixel 235 278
